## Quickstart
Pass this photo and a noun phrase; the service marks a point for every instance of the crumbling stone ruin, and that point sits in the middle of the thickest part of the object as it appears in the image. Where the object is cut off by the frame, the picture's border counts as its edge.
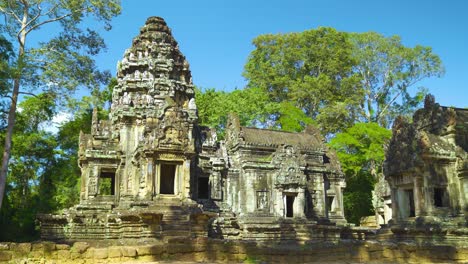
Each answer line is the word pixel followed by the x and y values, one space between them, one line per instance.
pixel 427 169
pixel 152 172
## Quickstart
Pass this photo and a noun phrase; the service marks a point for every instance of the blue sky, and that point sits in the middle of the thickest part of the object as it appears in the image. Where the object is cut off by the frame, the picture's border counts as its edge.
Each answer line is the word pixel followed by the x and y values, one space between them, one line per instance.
pixel 216 36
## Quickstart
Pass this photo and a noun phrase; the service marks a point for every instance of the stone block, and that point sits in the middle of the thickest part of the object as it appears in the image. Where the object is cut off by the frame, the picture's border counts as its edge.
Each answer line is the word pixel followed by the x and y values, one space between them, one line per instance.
pixel 89 254
pixel 101 253
pixel 62 247
pixel 21 248
pixel 37 247
pixel 150 250
pixel 75 255
pixel 63 255
pixel 115 252
pixel 129 252
pixel 80 247
pixel 5 255
pixel 36 254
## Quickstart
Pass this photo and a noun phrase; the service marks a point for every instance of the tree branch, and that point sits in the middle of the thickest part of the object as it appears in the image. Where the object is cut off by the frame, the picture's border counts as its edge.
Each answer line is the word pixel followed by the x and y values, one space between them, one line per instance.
pixel 10 13
pixel 31 20
pixel 26 93
pixel 46 22
pixel 7 96
pixel 13 13
pixel 388 105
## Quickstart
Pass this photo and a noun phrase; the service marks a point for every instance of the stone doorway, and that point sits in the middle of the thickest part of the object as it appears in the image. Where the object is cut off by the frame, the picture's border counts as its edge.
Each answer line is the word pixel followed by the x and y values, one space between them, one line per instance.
pixel 289 204
pixel 410 195
pixel 440 197
pixel 167 178
pixel 203 188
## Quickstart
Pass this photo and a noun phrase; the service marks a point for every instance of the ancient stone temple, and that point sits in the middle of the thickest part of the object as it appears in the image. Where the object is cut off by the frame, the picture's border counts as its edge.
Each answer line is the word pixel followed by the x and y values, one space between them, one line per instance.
pixel 150 171
pixel 427 169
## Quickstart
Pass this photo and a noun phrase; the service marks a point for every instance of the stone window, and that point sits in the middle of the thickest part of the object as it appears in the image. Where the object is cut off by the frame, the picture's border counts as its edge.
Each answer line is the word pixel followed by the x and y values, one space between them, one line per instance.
pixel 203 188
pixel 167 178
pixel 440 197
pixel 107 183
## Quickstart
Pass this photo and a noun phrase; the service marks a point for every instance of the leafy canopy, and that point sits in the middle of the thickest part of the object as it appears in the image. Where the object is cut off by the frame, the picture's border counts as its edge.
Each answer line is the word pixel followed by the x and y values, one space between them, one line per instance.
pixel 339 78
pixel 310 70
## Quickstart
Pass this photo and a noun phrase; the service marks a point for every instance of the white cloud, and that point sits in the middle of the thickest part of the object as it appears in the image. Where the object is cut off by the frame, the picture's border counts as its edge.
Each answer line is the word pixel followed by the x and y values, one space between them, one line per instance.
pixel 57 121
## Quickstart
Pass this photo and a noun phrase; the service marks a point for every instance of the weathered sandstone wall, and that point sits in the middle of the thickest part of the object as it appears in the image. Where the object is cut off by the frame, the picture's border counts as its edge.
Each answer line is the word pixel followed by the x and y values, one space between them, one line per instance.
pixel 209 250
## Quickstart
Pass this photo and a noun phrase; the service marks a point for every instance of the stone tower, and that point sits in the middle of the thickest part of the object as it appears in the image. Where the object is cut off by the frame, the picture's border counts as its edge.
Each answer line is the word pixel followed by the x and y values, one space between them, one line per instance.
pixel 152 118
pixel 153 115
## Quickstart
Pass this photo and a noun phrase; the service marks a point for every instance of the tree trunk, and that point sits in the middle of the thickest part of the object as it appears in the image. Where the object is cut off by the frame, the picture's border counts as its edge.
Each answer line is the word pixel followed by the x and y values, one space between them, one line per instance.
pixel 13 106
pixel 8 137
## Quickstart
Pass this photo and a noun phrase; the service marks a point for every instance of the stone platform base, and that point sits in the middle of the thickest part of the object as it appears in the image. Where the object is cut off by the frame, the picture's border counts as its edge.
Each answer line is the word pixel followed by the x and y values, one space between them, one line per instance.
pixel 212 250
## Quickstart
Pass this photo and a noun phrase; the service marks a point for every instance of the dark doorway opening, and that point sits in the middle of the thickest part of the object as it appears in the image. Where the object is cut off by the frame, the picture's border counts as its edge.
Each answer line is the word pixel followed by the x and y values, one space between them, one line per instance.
pixel 107 183
pixel 439 197
pixel 290 205
pixel 203 190
pixel 167 178
pixel 410 194
pixel 329 203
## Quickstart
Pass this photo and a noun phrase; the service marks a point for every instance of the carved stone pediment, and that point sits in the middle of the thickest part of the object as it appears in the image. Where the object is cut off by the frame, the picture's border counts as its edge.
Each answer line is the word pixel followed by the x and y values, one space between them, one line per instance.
pixel 291 167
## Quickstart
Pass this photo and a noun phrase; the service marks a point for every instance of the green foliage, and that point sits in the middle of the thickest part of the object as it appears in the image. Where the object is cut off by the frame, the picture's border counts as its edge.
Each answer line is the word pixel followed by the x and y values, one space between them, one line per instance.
pixel 361 151
pixel 357 197
pixel 339 78
pixel 64 61
pixel 34 150
pixel 387 69
pixel 311 70
pixel 252 106
pixel 361 147
pixel 58 65
pixel 291 118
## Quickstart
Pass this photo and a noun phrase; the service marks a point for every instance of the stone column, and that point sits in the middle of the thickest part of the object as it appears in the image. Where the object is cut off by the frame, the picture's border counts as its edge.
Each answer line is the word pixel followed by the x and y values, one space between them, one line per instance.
pixel 299 205
pixel 84 181
pixel 150 178
pixel 419 197
pixel 186 179
pixel 395 201
pixel 463 178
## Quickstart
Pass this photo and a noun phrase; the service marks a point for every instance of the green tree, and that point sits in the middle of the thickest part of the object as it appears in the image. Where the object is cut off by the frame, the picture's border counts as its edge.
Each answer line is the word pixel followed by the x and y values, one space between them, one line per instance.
pixel 361 151
pixel 58 65
pixel 6 55
pixel 339 78
pixel 311 70
pixel 387 69
pixel 252 106
pixel 34 151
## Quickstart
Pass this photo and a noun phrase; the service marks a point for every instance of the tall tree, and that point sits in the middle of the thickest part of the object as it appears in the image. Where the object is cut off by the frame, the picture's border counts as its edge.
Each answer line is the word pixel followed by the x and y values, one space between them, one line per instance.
pixel 33 152
pixel 58 65
pixel 6 55
pixel 340 78
pixel 312 70
pixel 387 70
